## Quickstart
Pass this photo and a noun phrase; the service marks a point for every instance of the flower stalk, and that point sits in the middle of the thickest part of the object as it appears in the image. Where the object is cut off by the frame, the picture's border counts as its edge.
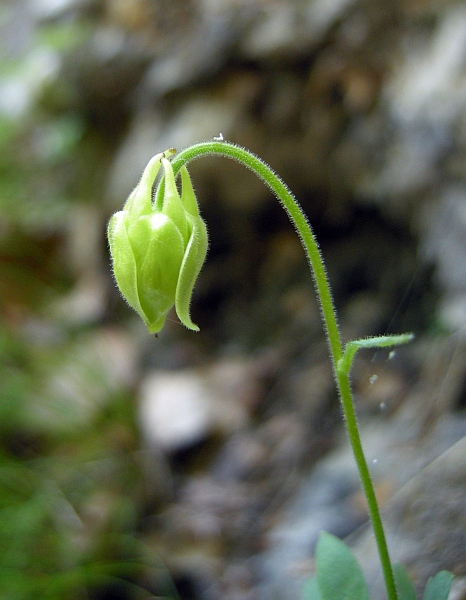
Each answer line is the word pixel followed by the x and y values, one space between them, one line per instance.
pixel 328 311
pixel 193 246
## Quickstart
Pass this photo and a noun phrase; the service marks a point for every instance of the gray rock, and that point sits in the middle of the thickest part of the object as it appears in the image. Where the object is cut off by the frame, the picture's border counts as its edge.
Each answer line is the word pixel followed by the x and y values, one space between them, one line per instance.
pixel 331 500
pixel 285 29
pixel 444 242
pixel 425 523
pixel 174 410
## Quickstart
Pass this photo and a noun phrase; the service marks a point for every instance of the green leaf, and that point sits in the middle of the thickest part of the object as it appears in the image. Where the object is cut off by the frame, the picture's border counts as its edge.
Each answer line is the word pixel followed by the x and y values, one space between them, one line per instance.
pixel 404 585
pixel 438 587
pixel 311 590
pixel 339 576
pixel 381 341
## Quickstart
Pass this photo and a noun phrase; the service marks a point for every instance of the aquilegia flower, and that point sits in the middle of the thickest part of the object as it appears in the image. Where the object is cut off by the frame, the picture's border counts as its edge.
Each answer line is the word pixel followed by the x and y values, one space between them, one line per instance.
pixel 158 251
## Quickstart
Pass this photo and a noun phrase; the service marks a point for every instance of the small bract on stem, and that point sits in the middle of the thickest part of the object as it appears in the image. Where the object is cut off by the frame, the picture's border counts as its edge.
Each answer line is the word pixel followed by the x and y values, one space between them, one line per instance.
pixel 158 249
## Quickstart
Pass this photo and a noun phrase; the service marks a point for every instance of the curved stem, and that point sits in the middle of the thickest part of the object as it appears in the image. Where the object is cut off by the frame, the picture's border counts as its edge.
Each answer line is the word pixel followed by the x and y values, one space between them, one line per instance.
pixel 304 230
pixel 297 217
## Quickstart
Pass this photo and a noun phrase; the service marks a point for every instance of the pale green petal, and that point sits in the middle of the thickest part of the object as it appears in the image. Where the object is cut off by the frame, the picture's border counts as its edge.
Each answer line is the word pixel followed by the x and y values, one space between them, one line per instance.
pixel 140 200
pixel 188 197
pixel 193 260
pixel 124 263
pixel 159 259
pixel 172 205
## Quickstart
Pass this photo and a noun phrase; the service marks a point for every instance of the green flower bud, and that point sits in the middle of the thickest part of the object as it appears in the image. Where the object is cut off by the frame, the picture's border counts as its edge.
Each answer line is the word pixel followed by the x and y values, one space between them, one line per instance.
pixel 157 252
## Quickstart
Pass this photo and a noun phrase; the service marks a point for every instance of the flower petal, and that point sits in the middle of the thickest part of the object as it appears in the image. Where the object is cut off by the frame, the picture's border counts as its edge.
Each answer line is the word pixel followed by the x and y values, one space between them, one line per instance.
pixel 193 260
pixel 159 250
pixel 124 262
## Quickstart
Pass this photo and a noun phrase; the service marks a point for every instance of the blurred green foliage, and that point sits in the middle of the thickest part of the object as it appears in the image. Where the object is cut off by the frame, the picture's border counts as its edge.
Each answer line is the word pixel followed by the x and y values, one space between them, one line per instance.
pixel 70 482
pixel 71 486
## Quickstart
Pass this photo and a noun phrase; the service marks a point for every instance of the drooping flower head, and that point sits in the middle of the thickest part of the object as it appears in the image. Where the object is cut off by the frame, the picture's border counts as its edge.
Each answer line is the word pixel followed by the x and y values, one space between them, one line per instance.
pixel 158 252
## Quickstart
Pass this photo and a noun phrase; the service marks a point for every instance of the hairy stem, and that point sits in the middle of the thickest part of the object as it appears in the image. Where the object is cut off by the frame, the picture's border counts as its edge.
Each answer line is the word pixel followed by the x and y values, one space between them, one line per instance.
pixel 341 374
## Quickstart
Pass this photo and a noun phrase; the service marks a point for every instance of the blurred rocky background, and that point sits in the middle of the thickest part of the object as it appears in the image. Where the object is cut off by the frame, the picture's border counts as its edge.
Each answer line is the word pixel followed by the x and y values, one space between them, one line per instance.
pixel 202 466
